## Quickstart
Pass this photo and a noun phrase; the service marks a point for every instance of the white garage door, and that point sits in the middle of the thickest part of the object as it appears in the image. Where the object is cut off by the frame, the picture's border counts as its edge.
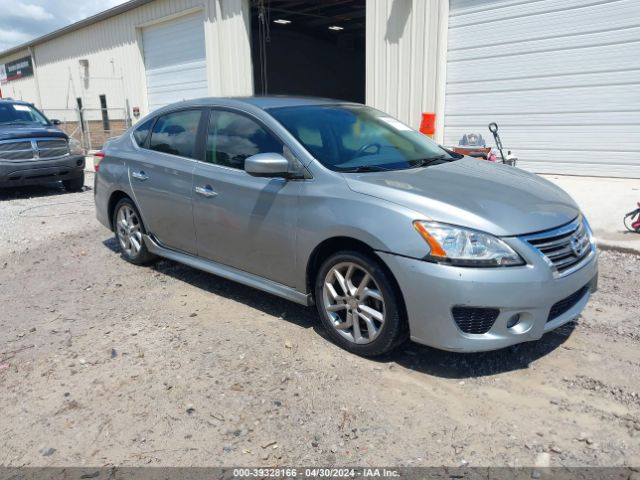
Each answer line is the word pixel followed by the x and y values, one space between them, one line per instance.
pixel 174 59
pixel 560 77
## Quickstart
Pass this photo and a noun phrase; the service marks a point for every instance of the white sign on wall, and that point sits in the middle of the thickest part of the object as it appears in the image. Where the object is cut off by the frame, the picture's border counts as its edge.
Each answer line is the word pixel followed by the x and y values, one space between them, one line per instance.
pixel 3 73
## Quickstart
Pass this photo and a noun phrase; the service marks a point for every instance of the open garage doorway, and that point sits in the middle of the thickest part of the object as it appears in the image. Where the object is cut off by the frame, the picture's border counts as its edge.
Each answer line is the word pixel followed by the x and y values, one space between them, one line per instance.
pixel 309 47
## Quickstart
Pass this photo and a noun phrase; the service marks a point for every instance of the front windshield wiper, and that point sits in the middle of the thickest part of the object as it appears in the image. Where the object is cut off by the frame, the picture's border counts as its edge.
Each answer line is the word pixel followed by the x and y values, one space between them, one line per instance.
pixel 420 162
pixel 425 162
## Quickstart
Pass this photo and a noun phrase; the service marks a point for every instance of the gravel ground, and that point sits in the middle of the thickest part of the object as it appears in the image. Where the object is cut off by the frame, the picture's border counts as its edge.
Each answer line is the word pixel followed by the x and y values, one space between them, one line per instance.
pixel 105 363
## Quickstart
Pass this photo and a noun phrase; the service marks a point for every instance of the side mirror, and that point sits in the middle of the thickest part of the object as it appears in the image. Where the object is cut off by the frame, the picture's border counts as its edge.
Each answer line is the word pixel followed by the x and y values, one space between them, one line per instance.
pixel 55 121
pixel 267 165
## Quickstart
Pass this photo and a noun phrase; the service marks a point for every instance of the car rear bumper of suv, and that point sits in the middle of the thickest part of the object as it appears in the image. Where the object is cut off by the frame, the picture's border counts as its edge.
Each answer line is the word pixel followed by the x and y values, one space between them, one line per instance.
pixel 480 309
pixel 33 172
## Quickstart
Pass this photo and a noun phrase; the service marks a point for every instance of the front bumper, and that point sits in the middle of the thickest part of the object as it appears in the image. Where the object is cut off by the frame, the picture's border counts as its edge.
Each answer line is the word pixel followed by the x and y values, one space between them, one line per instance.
pixel 431 290
pixel 34 172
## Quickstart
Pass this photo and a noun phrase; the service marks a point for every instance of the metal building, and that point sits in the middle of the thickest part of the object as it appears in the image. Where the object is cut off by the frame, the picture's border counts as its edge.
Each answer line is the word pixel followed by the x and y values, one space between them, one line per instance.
pixel 561 77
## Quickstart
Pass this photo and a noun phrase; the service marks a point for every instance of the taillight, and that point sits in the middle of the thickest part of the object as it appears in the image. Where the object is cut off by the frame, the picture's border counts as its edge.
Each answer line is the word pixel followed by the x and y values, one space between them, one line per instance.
pixel 97 158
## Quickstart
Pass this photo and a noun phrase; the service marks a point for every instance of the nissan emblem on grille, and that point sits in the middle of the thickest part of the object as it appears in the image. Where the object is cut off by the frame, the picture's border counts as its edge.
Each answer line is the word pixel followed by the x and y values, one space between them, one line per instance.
pixel 566 248
pixel 576 245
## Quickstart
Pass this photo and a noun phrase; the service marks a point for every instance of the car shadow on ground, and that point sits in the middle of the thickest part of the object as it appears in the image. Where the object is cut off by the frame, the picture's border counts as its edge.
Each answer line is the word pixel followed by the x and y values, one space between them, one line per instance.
pixel 472 365
pixel 35 191
pixel 419 358
pixel 264 302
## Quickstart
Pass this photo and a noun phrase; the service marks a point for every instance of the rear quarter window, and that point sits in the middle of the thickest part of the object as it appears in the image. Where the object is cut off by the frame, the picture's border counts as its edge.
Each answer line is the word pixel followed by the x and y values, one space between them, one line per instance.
pixel 141 133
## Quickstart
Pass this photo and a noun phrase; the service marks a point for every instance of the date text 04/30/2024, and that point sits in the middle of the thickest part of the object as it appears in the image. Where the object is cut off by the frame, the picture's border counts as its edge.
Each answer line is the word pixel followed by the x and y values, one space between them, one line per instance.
pixel 315 472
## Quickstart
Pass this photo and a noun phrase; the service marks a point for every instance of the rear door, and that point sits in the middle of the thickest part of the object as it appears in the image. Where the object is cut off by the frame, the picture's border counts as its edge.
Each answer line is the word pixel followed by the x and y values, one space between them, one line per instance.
pixel 162 178
pixel 243 221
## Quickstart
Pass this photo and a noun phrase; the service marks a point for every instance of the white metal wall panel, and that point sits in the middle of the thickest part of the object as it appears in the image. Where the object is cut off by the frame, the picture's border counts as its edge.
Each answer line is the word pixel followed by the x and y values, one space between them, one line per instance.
pixel 404 45
pixel 175 60
pixel 560 77
pixel 23 89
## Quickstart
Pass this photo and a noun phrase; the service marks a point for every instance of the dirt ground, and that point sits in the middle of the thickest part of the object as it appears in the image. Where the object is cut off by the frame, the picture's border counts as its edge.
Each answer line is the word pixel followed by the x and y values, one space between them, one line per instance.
pixel 105 363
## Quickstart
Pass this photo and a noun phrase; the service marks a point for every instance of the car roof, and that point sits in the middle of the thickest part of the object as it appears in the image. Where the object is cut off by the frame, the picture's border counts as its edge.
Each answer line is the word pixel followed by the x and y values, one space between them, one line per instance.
pixel 284 101
pixel 266 102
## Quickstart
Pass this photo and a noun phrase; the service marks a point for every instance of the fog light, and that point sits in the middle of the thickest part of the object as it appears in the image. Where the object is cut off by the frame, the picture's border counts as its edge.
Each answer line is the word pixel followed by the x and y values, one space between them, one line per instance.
pixel 513 321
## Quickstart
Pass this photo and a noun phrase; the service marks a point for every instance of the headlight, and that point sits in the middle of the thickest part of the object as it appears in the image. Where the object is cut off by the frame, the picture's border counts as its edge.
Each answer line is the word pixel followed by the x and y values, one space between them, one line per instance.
pixel 587 226
pixel 75 147
pixel 465 248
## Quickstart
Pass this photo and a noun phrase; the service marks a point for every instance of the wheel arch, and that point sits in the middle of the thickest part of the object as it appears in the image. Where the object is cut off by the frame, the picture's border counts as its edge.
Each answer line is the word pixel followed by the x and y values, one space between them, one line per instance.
pixel 336 244
pixel 115 197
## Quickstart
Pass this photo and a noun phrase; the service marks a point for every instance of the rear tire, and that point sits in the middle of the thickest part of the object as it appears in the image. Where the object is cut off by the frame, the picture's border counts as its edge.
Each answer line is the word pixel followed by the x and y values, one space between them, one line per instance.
pixel 129 230
pixel 75 184
pixel 359 304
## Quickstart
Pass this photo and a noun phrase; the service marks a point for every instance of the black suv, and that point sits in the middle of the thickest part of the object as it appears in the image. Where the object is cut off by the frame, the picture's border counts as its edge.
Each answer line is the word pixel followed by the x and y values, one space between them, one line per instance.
pixel 33 151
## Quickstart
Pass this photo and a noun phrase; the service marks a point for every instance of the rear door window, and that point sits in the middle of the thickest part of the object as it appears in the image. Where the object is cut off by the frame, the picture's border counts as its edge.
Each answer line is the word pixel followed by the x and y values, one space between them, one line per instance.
pixel 176 133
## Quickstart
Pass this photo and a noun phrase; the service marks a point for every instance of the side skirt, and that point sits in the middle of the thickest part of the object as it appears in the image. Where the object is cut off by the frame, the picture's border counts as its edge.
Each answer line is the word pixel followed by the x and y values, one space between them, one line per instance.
pixel 230 273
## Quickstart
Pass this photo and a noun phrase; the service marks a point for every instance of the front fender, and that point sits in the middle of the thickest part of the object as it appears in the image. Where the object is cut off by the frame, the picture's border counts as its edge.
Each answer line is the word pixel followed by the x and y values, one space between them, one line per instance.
pixel 330 212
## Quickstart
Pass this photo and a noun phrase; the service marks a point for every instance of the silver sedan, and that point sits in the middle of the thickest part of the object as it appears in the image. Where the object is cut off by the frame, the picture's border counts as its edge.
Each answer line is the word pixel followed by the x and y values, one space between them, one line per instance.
pixel 342 206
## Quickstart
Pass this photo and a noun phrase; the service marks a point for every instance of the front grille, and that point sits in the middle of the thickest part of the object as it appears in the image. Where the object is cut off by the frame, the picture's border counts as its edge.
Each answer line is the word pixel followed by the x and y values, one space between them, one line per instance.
pixel 19 150
pixel 566 304
pixel 564 247
pixel 11 146
pixel 16 150
pixel 52 148
pixel 474 319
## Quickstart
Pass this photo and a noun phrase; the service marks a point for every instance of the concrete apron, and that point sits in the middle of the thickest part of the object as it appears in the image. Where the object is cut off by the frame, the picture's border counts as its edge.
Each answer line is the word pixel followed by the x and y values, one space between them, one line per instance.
pixel 605 201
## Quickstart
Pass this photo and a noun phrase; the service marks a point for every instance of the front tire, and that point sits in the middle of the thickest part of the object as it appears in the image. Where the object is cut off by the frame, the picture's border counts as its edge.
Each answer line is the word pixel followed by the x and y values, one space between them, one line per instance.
pixel 359 304
pixel 128 227
pixel 75 184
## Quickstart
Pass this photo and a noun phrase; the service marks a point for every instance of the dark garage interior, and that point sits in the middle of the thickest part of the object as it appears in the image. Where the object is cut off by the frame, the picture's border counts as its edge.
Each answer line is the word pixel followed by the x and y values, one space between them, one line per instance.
pixel 309 47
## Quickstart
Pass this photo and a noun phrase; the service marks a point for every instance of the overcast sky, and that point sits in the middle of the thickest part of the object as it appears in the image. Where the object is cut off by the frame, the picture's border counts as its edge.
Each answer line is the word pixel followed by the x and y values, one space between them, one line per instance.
pixel 24 20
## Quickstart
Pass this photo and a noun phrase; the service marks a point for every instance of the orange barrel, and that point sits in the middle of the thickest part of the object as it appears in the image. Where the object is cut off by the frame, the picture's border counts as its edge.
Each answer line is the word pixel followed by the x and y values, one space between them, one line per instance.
pixel 428 124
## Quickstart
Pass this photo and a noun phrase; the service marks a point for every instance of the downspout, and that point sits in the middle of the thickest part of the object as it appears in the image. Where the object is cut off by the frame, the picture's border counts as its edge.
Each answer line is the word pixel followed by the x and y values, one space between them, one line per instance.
pixel 441 67
pixel 35 77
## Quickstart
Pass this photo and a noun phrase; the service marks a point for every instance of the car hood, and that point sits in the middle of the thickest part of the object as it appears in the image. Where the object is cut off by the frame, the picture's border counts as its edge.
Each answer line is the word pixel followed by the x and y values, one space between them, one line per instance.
pixel 491 197
pixel 10 132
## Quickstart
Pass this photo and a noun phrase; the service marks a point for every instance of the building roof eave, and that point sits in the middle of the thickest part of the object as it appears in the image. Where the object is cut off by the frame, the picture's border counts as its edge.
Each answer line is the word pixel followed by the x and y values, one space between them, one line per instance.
pixel 112 12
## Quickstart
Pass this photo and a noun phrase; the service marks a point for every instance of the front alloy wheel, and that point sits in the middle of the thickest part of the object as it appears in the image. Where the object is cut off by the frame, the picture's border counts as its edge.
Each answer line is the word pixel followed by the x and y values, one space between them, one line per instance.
pixel 359 304
pixel 354 303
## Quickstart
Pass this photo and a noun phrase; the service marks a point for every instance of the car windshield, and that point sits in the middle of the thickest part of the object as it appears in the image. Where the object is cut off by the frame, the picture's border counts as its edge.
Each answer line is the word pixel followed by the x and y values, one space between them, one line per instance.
pixel 20 114
pixel 355 138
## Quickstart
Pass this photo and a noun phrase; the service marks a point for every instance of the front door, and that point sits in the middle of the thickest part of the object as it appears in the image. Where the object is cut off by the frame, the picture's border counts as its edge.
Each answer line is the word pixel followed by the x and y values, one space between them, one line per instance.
pixel 161 177
pixel 243 221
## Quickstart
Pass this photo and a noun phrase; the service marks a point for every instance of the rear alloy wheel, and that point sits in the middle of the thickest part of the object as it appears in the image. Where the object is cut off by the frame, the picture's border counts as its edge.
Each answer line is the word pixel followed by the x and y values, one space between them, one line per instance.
pixel 129 230
pixel 359 305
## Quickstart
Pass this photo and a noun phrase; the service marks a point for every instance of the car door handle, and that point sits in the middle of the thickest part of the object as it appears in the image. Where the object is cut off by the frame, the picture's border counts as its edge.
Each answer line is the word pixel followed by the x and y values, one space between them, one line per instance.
pixel 206 191
pixel 140 175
